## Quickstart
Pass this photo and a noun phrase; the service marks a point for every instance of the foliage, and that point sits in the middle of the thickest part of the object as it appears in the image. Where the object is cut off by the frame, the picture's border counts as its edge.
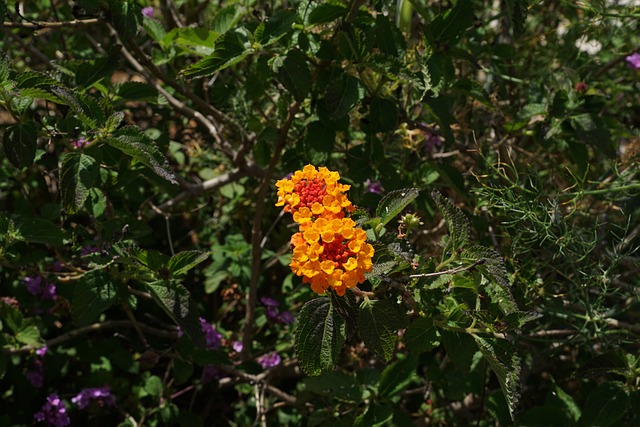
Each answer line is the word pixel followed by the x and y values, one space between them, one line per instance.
pixel 488 151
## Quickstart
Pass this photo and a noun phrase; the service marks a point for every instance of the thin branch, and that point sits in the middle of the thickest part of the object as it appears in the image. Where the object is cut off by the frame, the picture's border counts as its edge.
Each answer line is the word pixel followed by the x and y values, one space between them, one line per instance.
pixel 101 326
pixel 38 25
pixel 256 232
pixel 260 379
pixel 452 271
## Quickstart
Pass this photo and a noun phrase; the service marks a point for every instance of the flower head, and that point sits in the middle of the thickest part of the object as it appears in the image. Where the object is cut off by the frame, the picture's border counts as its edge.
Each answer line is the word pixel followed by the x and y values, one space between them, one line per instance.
pixel 269 360
pixel 331 254
pixel 286 317
pixel 54 413
pixel 101 395
pixel 373 187
pixel 39 288
pixel 211 335
pixel 313 193
pixel 634 60
pixel 148 12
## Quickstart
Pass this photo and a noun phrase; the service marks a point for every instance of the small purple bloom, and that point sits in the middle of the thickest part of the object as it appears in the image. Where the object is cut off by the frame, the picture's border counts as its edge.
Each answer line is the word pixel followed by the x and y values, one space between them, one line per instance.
pixel 80 142
pixel 39 288
pixel 102 395
pixel 88 250
pixel 237 346
pixel 269 302
pixel 269 360
pixel 212 337
pixel 272 313
pixel 634 60
pixel 54 413
pixel 42 351
pixel 36 375
pixel 286 317
pixel 148 12
pixel 373 187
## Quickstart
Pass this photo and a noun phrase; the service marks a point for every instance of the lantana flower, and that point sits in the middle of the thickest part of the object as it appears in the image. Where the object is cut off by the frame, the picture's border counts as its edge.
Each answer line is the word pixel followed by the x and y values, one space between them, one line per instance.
pixel 53 412
pixel 331 254
pixel 313 193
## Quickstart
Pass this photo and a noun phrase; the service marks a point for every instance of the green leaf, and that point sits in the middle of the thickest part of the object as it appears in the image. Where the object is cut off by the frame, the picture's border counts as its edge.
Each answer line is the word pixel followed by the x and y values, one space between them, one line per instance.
pixel 605 405
pixel 19 143
pixel 114 120
pixel 78 174
pixel 612 361
pixel 397 376
pixel 29 335
pixel 457 223
pixel 176 301
pixel 294 74
pixel 93 294
pixel 449 27
pixel 341 95
pixel 421 335
pixel 154 28
pixel 226 18
pixel 136 91
pixel 335 385
pixel 326 12
pixel 126 17
pixel 378 325
pixel 517 319
pixel 489 263
pixel 132 141
pixel 345 307
pixel 505 363
pixel 517 11
pixel 5 65
pixel 153 386
pixel 388 38
pixel 319 336
pixel 318 142
pixel 376 415
pixel 460 348
pixel 277 26
pixel 85 107
pixel 94 70
pixel 383 115
pixel 39 230
pixel 182 262
pixel 394 202
pixel 198 41
pixel 230 48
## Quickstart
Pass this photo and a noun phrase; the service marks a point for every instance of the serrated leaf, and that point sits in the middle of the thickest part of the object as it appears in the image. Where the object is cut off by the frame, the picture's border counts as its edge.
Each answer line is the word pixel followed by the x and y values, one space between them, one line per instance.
pixel 505 363
pixel 341 95
pixel 87 110
pixel 34 79
pixel 613 361
pixel 126 16
pixel 136 91
pixel 182 262
pixel 378 325
pixel 397 376
pixel 294 74
pixel 449 27
pixel 78 173
pixel 457 223
pixel 154 28
pixel 19 142
pixel 605 405
pixel 345 307
pixel 176 301
pixel 490 263
pixel 91 71
pixel 39 230
pixel 29 335
pixel 132 141
pixel 318 142
pixel 394 202
pixel 319 336
pixel 4 60
pixel 460 348
pixel 277 26
pixel 517 319
pixel 326 12
pixel 93 294
pixel 229 49
pixel 421 335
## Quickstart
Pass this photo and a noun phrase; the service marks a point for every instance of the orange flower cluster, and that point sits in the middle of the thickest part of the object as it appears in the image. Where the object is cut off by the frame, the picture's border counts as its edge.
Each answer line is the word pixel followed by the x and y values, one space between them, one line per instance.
pixel 329 251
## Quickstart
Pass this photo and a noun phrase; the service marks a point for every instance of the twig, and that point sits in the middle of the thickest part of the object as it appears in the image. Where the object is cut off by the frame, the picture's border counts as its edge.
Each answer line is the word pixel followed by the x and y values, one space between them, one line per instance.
pixel 102 326
pixel 254 379
pixel 452 271
pixel 256 232
pixel 38 25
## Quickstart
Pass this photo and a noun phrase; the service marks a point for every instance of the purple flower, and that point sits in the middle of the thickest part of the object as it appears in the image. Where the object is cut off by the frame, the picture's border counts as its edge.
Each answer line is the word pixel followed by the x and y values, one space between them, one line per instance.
pixel 212 337
pixel 80 142
pixel 286 317
pixel 634 60
pixel 36 375
pixel 373 187
pixel 272 314
pixel 148 12
pixel 42 351
pixel 269 360
pixel 39 288
pixel 54 413
pixel 88 250
pixel 269 302
pixel 237 346
pixel 101 395
pixel 581 87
